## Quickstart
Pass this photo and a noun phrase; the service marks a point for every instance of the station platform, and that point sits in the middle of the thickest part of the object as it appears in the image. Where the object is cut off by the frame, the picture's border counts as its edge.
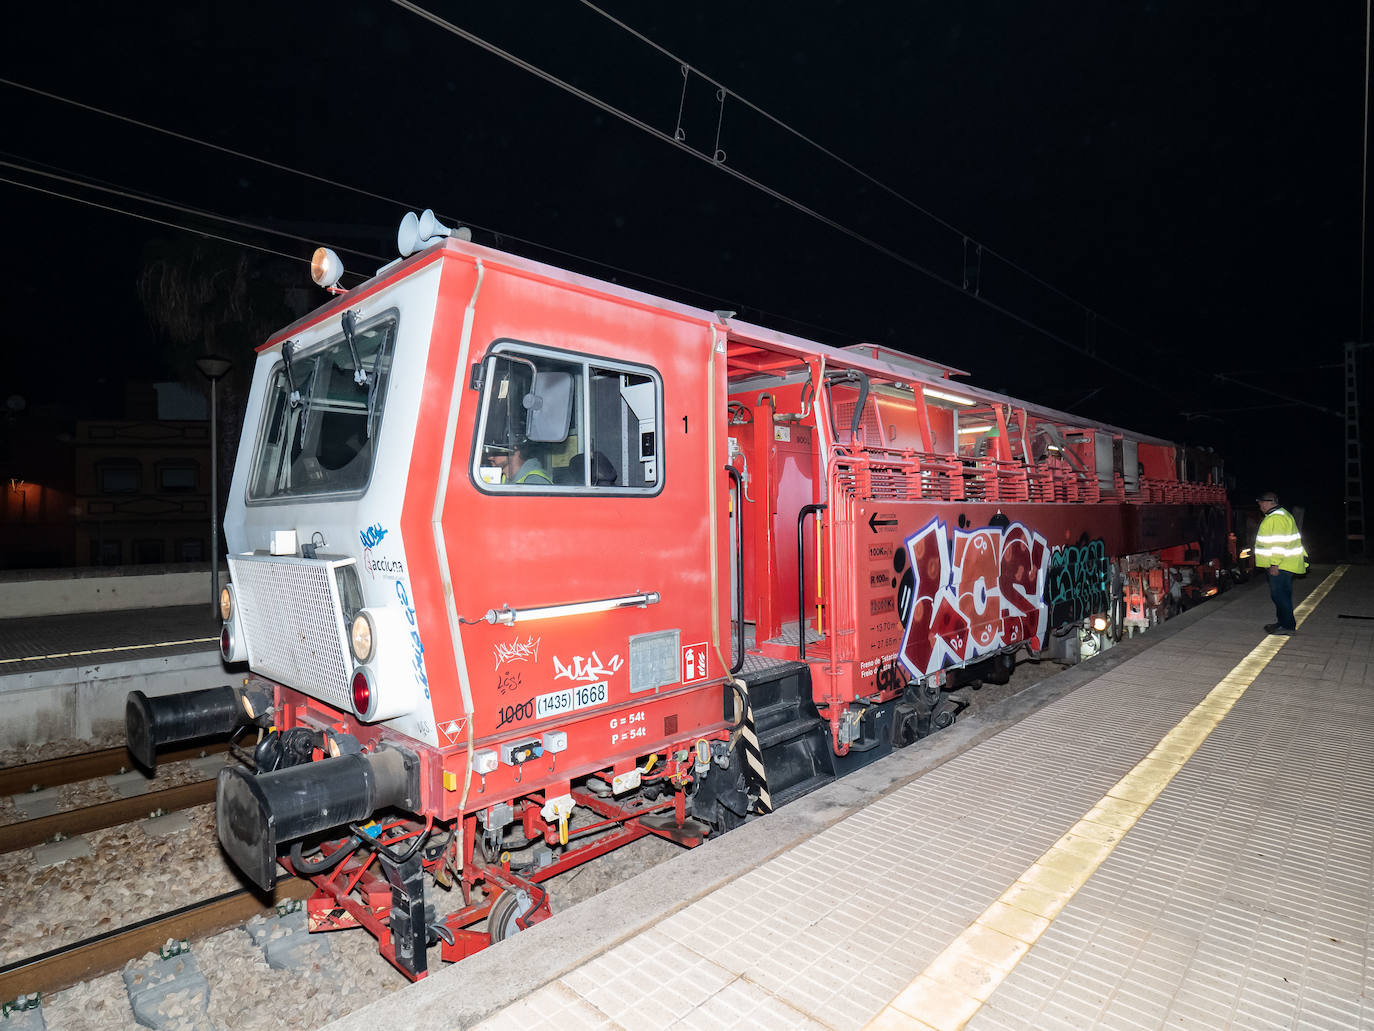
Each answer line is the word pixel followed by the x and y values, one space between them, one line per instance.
pixel 66 676
pixel 1176 834
pixel 54 642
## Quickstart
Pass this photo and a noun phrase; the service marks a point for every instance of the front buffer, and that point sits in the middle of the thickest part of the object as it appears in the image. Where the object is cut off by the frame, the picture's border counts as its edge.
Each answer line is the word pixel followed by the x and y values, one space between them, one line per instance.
pixel 150 723
pixel 257 814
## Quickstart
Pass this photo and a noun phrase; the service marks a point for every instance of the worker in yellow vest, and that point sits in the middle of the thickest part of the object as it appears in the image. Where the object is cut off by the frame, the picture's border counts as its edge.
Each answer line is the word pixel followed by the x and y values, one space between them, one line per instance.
pixel 1278 546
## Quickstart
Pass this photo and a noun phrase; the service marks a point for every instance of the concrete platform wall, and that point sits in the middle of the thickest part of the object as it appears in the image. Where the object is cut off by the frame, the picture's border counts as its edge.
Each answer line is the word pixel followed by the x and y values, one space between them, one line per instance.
pixel 86 701
pixel 62 592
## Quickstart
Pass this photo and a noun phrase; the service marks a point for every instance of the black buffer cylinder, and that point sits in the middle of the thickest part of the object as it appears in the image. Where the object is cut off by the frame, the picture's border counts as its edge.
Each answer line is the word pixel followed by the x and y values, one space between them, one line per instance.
pixel 150 723
pixel 256 814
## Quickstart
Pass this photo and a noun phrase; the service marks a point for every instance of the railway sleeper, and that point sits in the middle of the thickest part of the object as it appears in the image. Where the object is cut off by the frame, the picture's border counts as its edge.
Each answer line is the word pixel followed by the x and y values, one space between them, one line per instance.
pixel 169 990
pixel 24 1013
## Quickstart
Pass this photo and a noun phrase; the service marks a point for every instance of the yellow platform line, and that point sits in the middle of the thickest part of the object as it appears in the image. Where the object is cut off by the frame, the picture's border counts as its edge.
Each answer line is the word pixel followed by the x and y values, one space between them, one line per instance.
pixel 946 995
pixel 119 648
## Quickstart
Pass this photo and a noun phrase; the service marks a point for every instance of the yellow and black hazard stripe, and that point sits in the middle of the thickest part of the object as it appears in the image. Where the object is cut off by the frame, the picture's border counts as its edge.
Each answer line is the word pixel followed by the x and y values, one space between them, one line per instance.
pixel 755 775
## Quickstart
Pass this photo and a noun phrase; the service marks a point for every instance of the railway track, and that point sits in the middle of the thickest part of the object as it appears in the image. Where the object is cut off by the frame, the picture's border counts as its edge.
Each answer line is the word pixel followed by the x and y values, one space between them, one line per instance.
pixel 69 769
pixel 104 953
pixel 72 769
pixel 28 833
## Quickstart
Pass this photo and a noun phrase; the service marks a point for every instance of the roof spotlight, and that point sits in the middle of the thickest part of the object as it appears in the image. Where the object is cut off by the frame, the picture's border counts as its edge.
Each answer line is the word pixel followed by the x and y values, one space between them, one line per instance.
pixel 325 267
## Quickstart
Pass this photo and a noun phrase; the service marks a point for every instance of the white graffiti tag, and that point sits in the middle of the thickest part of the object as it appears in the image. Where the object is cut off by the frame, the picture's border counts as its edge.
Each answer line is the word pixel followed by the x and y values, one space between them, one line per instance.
pixel 517 651
pixel 588 669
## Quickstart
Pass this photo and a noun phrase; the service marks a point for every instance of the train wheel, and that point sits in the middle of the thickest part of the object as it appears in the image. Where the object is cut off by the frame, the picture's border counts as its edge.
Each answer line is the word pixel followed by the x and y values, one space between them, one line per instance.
pixel 944 714
pixel 508 908
pixel 925 693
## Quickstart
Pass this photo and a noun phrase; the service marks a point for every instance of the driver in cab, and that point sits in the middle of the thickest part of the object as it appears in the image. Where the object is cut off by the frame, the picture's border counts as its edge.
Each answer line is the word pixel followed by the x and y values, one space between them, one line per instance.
pixel 519 464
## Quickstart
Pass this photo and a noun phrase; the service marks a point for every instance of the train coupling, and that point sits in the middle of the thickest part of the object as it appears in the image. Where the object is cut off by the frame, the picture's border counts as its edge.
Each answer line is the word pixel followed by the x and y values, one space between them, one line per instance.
pixel 256 814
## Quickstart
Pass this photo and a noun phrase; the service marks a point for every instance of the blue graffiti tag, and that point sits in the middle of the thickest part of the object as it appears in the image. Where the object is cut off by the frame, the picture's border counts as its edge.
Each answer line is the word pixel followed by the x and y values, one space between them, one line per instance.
pixel 1079 582
pixel 417 650
pixel 372 536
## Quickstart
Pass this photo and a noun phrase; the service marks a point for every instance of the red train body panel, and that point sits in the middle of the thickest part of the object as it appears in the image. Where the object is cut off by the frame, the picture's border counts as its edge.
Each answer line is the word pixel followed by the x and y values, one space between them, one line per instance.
pixel 543 565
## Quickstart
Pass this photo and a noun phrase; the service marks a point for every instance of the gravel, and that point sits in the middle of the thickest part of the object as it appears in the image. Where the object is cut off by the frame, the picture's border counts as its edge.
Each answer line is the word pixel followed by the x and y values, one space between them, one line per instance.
pixel 133 875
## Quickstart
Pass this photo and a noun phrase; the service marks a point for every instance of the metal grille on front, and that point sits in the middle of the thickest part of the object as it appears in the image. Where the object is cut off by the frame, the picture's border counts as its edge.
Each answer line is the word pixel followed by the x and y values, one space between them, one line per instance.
pixel 289 614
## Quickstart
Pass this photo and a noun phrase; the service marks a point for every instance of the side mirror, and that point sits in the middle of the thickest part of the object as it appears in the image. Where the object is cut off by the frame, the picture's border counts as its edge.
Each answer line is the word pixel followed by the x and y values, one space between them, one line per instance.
pixel 548 407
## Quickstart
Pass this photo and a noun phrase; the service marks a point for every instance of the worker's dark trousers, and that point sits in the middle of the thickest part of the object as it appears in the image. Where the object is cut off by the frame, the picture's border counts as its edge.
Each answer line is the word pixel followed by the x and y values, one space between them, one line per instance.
pixel 1281 590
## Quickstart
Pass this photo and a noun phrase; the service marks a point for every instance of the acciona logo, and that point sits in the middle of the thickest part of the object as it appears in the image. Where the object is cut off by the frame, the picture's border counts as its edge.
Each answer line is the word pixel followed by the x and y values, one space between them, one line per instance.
pixel 382 565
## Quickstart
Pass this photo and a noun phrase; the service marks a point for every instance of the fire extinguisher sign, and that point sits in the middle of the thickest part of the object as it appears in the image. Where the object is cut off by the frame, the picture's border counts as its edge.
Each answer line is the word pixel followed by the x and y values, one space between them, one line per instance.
pixel 693 662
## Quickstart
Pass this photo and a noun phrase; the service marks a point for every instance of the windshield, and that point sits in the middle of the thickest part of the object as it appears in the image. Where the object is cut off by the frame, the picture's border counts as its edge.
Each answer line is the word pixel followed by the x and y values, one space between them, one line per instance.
pixel 322 438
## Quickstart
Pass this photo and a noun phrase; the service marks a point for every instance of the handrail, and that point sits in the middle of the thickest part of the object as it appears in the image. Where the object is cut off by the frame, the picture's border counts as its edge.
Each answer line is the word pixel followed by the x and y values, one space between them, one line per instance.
pixel 739 566
pixel 814 509
pixel 944 477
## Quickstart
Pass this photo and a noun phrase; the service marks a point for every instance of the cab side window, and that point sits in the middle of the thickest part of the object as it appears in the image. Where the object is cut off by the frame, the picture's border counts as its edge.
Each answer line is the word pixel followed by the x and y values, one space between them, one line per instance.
pixel 560 423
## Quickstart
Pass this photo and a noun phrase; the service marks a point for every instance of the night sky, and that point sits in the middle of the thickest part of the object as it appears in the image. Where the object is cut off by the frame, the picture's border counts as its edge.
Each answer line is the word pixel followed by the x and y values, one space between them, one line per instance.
pixel 1171 187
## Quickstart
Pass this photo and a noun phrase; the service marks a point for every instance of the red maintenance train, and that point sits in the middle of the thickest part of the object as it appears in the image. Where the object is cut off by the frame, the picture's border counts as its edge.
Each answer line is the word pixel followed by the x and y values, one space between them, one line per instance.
pixel 526 566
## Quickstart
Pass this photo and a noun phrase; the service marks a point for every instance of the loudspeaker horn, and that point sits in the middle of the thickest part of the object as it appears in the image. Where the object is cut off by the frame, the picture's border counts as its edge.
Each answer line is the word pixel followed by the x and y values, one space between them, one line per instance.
pixel 418 232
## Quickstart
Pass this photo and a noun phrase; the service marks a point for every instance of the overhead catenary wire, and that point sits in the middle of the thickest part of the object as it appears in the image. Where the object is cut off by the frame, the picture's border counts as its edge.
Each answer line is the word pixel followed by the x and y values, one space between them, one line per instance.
pixel 500 235
pixel 73 180
pixel 717 300
pixel 687 66
pixel 358 190
pixel 156 221
pixel 1091 314
pixel 769 191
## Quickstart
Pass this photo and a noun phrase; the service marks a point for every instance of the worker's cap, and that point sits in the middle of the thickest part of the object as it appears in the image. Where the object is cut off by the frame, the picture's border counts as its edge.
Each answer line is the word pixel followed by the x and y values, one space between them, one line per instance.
pixel 507 445
pixel 1268 495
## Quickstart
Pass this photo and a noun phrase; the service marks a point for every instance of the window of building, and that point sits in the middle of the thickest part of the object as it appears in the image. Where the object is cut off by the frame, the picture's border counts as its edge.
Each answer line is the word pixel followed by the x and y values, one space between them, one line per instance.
pixel 320 437
pixel 106 553
pixel 147 551
pixel 178 476
pixel 191 549
pixel 118 476
pixel 560 423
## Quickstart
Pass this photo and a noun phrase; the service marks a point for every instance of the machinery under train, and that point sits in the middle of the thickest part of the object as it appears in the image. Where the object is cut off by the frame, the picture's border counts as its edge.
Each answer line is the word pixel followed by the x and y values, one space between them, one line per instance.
pixel 526 566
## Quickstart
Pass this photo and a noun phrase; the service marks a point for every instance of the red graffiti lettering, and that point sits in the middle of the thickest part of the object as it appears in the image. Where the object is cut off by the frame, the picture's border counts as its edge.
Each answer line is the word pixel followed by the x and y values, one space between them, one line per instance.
pixel 973 594
pixel 930 564
pixel 1022 581
pixel 975 583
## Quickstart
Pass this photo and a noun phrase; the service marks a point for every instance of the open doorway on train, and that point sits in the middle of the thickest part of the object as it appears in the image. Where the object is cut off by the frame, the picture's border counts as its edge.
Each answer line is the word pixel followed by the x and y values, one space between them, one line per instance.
pixel 777 497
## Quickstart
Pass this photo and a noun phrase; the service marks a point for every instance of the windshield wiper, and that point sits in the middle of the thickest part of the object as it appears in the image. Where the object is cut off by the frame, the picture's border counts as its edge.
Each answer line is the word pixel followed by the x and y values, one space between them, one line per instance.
pixel 360 375
pixel 350 326
pixel 287 350
pixel 310 396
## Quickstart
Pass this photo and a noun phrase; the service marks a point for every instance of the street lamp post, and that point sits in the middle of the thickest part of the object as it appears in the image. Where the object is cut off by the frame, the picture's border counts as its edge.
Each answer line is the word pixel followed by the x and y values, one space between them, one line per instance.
pixel 214 368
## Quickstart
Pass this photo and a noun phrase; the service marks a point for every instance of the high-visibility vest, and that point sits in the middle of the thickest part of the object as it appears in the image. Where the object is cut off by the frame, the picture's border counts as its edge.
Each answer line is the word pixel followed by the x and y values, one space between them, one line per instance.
pixel 1278 543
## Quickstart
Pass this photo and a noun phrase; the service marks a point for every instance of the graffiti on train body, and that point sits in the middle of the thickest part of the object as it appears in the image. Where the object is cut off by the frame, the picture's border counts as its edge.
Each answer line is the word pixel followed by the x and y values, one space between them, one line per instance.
pixel 1079 582
pixel 973 593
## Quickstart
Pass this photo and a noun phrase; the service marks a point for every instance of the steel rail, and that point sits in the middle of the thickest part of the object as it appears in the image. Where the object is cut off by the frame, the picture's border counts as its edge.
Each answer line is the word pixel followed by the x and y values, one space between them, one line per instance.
pixel 103 953
pixel 27 833
pixel 69 769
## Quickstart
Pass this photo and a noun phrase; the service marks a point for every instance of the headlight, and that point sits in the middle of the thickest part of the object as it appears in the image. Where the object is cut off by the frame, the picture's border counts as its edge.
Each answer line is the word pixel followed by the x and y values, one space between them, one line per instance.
pixel 1099 623
pixel 226 603
pixel 387 679
pixel 361 637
